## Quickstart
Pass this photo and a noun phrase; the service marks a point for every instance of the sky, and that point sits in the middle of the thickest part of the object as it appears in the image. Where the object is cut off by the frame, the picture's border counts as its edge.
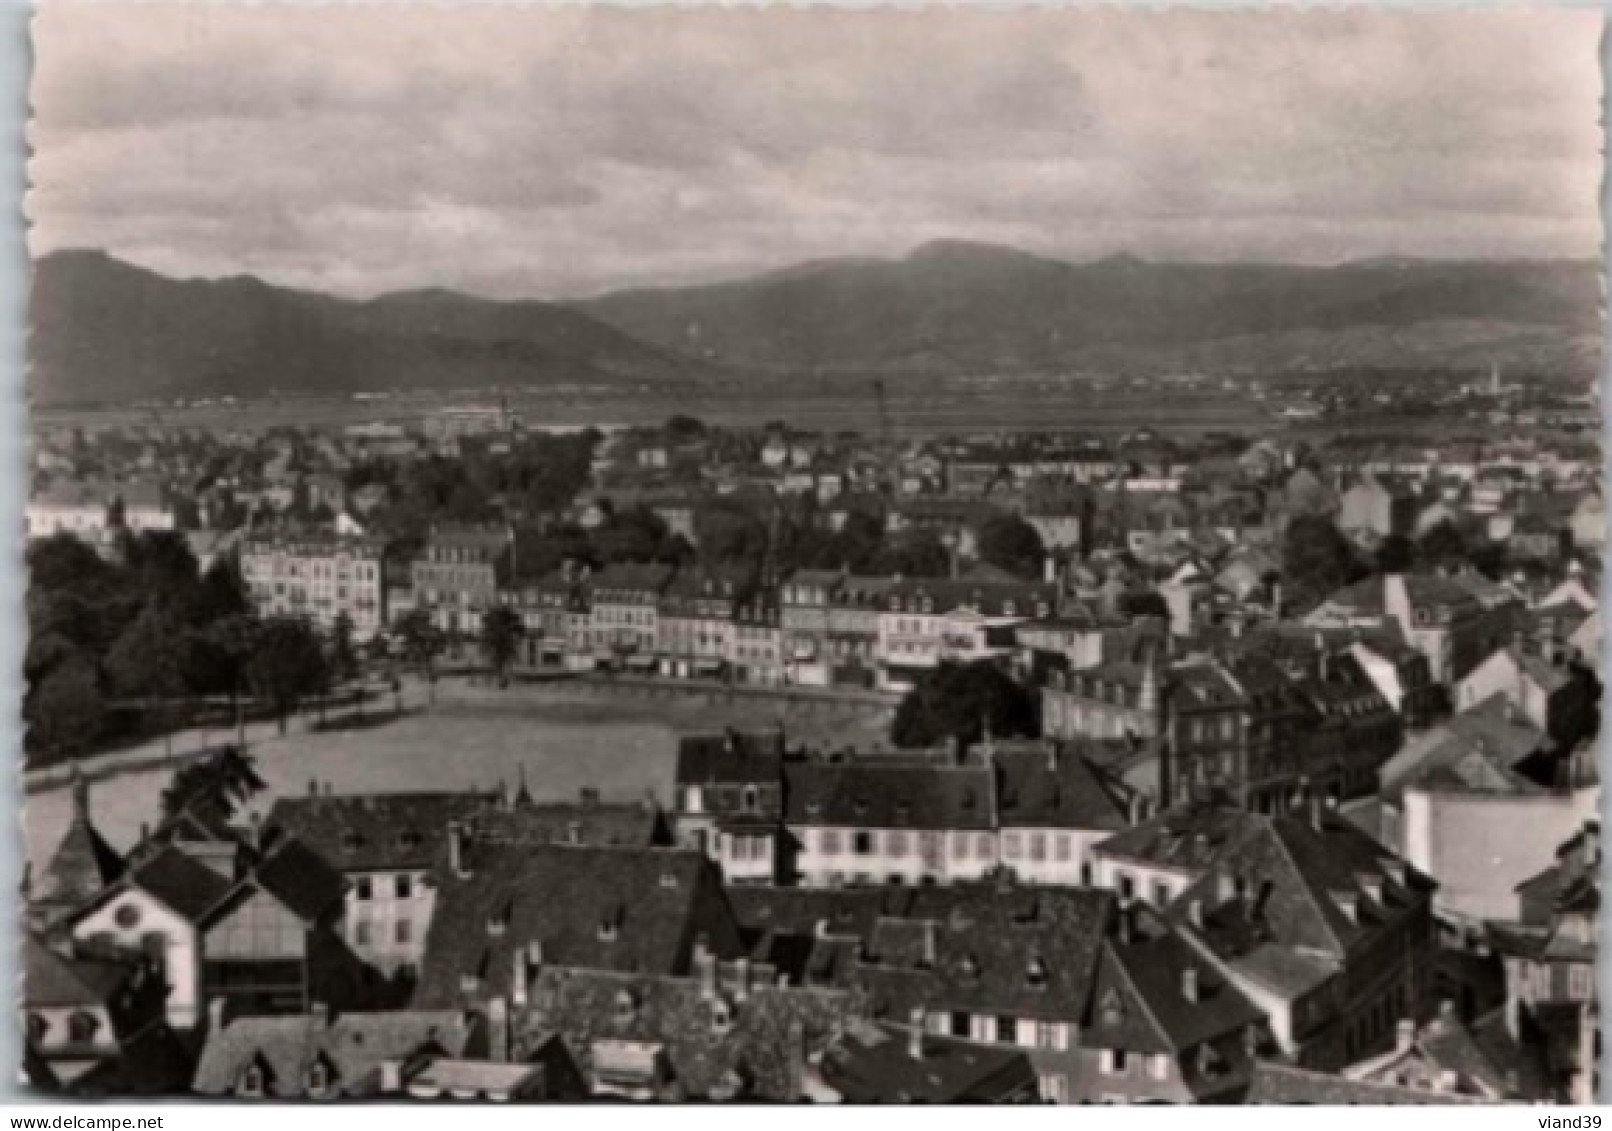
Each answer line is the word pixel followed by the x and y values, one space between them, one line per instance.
pixel 557 152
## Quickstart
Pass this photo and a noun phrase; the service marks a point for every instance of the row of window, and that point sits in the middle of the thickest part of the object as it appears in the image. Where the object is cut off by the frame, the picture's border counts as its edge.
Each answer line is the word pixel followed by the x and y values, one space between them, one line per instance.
pixel 1035 847
pixel 402 885
pixel 365 932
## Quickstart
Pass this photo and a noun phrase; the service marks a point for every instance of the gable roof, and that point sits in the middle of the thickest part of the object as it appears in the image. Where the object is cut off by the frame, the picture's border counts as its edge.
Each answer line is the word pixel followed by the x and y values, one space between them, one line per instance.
pixel 732 757
pixel 889 795
pixel 1040 785
pixel 873 1064
pixel 1284 1084
pixel 374 832
pixel 82 866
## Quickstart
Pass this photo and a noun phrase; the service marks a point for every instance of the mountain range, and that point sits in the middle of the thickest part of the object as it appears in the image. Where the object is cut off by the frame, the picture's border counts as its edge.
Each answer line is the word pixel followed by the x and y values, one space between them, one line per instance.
pixel 105 331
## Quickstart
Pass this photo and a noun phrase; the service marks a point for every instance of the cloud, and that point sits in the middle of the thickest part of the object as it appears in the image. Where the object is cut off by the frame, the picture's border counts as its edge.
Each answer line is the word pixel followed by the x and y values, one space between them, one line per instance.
pixel 554 151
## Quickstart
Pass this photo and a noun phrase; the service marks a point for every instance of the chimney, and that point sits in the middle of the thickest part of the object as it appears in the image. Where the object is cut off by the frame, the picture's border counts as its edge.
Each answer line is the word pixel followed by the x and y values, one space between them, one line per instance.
pixel 741 978
pixel 1226 887
pixel 573 832
pixel 1189 984
pixel 457 850
pixel 1404 1035
pixel 1052 756
pixel 498 1030
pixel 795 1051
pixel 391 1077
pixel 81 796
pixel 1122 924
pixel 1446 1011
pixel 915 1038
pixel 590 797
pixel 517 977
pixel 319 1014
pixel 313 787
pixel 216 1017
pixel 1195 913
pixel 1318 815
pixel 1049 569
pixel 705 968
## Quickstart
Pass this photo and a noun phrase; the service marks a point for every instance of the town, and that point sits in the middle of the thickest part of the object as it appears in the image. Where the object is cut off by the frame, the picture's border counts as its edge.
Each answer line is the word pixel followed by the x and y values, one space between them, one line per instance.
pixel 1007 767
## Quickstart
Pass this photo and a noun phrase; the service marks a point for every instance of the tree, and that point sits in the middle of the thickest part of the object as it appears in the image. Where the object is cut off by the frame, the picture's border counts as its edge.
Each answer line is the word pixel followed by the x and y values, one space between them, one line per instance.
pixel 231 640
pixel 148 663
pixel 65 710
pixel 343 655
pixel 1443 545
pixel 1008 542
pixel 214 787
pixel 501 632
pixel 1316 560
pixel 287 665
pixel 422 644
pixel 916 553
pixel 957 700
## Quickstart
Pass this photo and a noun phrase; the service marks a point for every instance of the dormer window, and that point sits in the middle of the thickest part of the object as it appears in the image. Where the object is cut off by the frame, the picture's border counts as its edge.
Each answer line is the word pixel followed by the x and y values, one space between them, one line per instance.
pixel 251 1081
pixel 750 799
pixel 1035 975
pixel 626 1008
pixel 320 1077
pixel 721 1016
pixel 408 839
pixel 351 841
pixel 82 1027
pixel 970 966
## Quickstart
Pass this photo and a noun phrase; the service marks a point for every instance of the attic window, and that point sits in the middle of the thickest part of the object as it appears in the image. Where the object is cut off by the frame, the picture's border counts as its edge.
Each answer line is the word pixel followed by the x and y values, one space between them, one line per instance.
pixel 610 925
pixel 408 839
pixel 498 921
pixel 626 1007
pixel 1035 975
pixel 721 1016
pixel 251 1081
pixel 351 841
pixel 319 1077
pixel 970 966
pixel 82 1026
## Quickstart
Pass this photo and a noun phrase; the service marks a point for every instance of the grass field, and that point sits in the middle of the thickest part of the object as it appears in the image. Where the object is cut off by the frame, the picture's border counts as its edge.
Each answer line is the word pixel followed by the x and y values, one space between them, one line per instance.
pixel 471 738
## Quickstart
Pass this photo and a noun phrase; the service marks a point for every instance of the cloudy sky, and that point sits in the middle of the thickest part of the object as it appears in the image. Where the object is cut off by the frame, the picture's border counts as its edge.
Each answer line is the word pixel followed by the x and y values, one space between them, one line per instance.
pixel 554 152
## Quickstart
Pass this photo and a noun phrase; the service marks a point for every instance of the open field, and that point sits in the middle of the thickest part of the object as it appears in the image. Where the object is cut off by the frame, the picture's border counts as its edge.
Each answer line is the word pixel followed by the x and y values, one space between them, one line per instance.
pixel 473 737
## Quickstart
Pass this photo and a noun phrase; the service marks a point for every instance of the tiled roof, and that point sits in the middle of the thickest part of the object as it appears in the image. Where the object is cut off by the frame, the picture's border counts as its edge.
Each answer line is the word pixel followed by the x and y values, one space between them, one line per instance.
pixel 628 909
pixel 181 883
pixel 710 1042
pixel 80 869
pixel 51 978
pixel 300 879
pixel 352 1045
pixel 1308 892
pixel 1284 1084
pixel 1042 786
pixel 1480 748
pixel 375 832
pixel 873 1064
pixel 730 758
pixel 889 796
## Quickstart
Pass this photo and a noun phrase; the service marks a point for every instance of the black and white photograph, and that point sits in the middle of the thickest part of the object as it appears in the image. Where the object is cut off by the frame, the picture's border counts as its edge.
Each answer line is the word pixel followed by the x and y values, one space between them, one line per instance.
pixel 688 555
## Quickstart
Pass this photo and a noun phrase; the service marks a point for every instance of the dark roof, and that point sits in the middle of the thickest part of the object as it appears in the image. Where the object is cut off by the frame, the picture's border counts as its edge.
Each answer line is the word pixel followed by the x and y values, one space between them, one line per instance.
pixel 1299 878
pixel 889 795
pixel 352 1045
pixel 1149 970
pixel 51 978
pixel 1188 839
pixel 1284 1084
pixel 82 865
pixel 181 883
pixel 607 908
pixel 710 1044
pixel 1040 785
pixel 300 879
pixel 585 822
pixel 375 832
pixel 873 1064
pixel 730 758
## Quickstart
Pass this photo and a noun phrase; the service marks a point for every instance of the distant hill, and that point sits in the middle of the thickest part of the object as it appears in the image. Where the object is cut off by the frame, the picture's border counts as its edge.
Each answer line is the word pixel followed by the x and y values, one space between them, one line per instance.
pixel 104 331
pixel 976 308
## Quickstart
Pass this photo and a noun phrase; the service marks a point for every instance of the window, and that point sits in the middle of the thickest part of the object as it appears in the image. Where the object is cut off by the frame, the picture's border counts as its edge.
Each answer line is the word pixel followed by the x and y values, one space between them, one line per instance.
pixel 692 799
pixel 1011 846
pixel 1158 1066
pixel 251 1083
pixel 82 1027
pixel 828 842
pixel 1054 1035
pixel 1161 893
pixel 1006 1029
pixel 403 886
pixel 1055 1088
pixel 960 847
pixel 1127 887
pixel 896 844
pixel 1114 1062
pixel 361 933
pixel 318 1078
pixel 127 916
pixel 1038 847
pixel 862 843
pixel 364 888
pixel 38 1028
pixel 404 931
pixel 959 1024
pixel 1580 982
pixel 1063 848
pixel 983 847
